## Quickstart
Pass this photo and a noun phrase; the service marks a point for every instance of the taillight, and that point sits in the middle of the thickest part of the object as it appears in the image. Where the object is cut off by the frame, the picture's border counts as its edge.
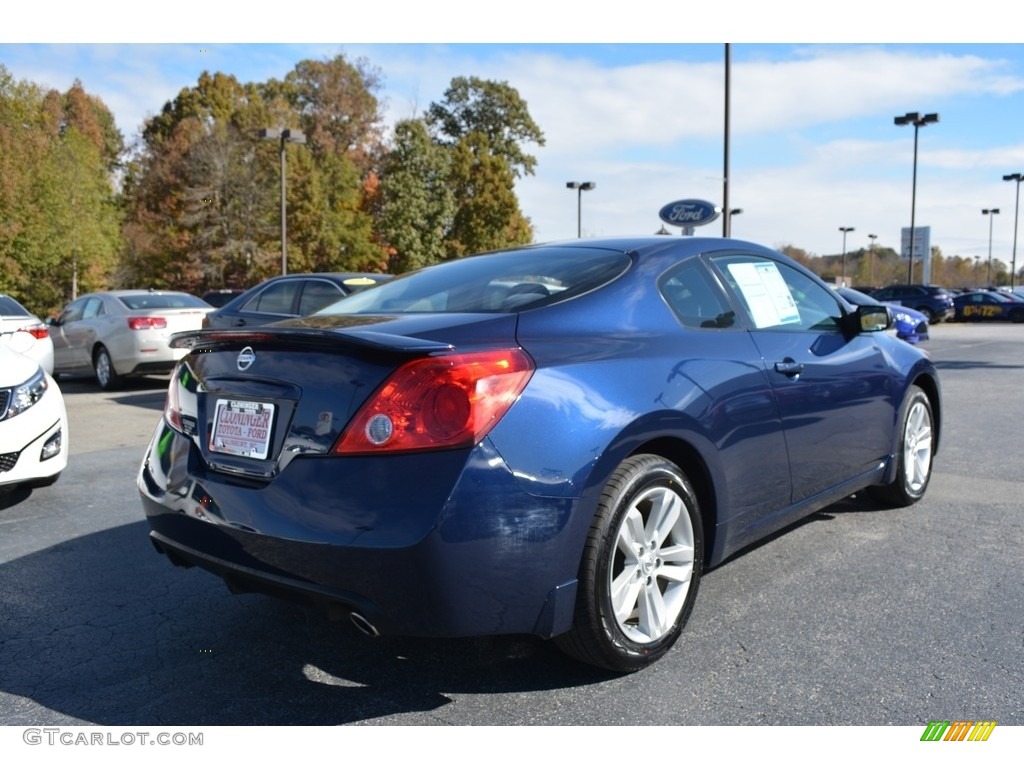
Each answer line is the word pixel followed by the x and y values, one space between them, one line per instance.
pixel 450 401
pixel 145 323
pixel 38 331
pixel 172 405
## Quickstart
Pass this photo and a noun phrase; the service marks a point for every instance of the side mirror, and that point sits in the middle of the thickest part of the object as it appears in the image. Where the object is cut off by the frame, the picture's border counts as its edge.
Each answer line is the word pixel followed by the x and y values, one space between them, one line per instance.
pixel 873 319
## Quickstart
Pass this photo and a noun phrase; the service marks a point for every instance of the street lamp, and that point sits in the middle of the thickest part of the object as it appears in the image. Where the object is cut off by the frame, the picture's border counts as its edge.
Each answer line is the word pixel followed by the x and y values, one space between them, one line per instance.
pixel 844 230
pixel 579 186
pixel 1016 213
pixel 733 212
pixel 989 212
pixel 871 259
pixel 286 136
pixel 917 120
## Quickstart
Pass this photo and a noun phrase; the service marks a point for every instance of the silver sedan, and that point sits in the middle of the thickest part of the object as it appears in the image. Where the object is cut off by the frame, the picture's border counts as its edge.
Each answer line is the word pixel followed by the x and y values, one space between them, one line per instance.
pixel 114 334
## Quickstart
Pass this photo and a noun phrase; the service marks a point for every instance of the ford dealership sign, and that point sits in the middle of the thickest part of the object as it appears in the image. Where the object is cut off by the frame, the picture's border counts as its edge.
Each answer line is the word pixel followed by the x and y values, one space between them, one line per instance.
pixel 688 213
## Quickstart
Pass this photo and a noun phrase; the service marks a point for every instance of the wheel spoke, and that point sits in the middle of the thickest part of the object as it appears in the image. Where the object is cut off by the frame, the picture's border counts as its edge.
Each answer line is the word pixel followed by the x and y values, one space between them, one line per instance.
pixel 631 535
pixel 677 573
pixel 918 447
pixel 678 554
pixel 654 618
pixel 625 590
pixel 665 511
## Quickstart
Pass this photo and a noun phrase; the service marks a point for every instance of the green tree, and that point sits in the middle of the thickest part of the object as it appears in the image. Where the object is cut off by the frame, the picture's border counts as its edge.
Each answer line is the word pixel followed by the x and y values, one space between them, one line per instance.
pixel 487 213
pixel 204 191
pixel 417 204
pixel 495 109
pixel 59 211
pixel 337 107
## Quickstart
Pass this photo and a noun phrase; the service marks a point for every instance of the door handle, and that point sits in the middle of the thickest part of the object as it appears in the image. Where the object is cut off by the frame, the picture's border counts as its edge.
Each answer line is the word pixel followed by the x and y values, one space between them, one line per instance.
pixel 789 367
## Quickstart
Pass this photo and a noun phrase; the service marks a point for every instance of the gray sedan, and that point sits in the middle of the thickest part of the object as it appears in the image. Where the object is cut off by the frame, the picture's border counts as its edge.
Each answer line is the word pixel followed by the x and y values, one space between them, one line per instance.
pixel 115 334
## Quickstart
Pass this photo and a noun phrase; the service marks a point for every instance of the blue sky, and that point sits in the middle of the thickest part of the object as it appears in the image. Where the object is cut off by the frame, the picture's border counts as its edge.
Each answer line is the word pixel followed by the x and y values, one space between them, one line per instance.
pixel 813 141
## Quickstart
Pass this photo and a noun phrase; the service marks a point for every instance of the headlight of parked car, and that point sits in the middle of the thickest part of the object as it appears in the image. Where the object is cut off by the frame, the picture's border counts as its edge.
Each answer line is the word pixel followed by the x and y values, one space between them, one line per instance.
pixel 24 396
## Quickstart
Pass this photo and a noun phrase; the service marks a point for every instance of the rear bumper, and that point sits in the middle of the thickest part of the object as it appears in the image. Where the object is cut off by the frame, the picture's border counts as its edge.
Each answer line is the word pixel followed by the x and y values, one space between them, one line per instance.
pixel 442 544
pixel 146 356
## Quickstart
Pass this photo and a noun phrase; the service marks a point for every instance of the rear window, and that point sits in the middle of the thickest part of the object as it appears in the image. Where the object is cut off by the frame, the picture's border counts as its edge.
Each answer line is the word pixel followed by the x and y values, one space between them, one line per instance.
pixel 162 301
pixel 9 306
pixel 508 281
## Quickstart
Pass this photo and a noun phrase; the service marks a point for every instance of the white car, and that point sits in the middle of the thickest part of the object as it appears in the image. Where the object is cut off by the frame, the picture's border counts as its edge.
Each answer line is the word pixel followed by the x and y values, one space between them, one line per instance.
pixel 33 423
pixel 114 334
pixel 23 332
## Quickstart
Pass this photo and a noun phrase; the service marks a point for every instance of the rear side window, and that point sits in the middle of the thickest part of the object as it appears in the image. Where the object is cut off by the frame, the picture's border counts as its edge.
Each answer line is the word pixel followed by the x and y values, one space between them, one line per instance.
pixel 695 298
pixel 278 299
pixel 508 281
pixel 317 294
pixel 10 307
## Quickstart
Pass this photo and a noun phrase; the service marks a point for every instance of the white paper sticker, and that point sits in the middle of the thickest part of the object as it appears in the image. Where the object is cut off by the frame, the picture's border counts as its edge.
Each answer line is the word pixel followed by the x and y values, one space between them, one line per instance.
pixel 766 294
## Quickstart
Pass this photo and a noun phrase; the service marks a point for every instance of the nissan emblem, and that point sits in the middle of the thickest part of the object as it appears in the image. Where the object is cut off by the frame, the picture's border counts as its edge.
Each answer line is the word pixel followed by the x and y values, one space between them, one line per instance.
pixel 246 358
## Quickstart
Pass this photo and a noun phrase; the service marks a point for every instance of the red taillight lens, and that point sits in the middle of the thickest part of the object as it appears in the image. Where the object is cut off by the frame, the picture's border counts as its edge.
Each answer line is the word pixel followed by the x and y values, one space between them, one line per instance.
pixel 450 401
pixel 37 331
pixel 172 406
pixel 145 323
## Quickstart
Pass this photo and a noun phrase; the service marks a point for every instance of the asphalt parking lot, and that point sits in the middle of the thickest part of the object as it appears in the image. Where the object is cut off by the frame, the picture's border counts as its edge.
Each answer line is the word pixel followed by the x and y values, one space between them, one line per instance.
pixel 855 616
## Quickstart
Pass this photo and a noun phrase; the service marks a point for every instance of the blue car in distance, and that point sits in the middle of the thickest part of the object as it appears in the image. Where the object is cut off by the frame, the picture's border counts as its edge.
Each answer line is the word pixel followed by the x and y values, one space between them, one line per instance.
pixel 908 324
pixel 556 439
pixel 989 305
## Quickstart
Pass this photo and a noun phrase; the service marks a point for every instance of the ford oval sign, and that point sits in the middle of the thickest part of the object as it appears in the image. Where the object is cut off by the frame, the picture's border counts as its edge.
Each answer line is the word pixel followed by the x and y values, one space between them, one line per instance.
pixel 688 213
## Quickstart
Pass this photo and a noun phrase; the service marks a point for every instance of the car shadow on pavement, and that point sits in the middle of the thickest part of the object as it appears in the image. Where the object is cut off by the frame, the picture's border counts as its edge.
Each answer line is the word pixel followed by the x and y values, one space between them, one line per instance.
pixel 965 365
pixel 77 384
pixel 100 629
pixel 11 497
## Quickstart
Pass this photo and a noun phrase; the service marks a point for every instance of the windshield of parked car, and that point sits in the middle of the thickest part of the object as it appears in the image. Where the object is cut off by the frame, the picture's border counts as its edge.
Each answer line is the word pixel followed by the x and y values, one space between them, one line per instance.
pixel 507 281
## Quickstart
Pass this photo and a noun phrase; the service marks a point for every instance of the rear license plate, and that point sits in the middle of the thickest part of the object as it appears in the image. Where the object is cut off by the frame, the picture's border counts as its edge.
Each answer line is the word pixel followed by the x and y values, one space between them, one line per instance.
pixel 242 428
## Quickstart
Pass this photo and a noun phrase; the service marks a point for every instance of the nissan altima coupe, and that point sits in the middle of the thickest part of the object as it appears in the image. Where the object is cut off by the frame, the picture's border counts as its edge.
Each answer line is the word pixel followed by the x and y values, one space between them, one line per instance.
pixel 555 440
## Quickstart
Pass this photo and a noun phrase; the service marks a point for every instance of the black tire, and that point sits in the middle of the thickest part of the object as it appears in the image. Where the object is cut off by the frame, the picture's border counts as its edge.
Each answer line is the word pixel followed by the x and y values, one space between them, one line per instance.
pixel 927 312
pixel 914 455
pixel 106 376
pixel 629 567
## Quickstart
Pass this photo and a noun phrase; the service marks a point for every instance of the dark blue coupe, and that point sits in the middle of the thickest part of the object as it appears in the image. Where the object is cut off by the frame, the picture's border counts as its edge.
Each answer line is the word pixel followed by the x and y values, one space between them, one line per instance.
pixel 989 305
pixel 555 440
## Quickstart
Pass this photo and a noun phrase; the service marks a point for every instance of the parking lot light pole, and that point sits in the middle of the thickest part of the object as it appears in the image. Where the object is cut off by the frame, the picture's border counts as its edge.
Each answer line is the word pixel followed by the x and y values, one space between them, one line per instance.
pixel 733 212
pixel 917 120
pixel 844 230
pixel 1016 213
pixel 286 136
pixel 871 260
pixel 580 186
pixel 989 212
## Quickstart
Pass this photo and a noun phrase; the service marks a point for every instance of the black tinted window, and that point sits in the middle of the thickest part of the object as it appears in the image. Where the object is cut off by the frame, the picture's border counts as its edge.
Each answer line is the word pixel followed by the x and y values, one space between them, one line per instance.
pixel 278 299
pixel 694 297
pixel 317 294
